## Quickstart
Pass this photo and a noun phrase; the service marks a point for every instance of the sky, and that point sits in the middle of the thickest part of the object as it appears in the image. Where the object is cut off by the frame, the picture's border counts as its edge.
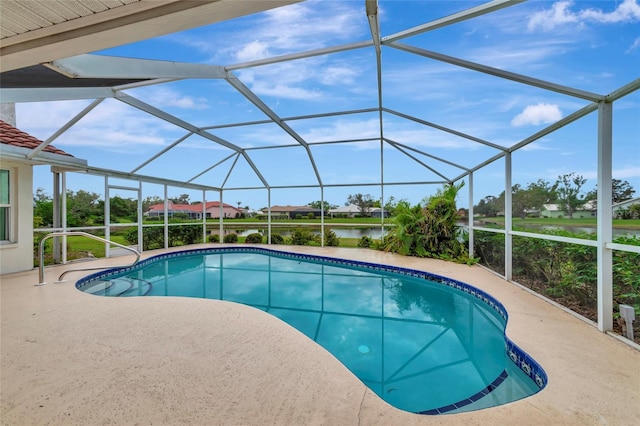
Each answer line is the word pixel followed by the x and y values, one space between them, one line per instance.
pixel 592 46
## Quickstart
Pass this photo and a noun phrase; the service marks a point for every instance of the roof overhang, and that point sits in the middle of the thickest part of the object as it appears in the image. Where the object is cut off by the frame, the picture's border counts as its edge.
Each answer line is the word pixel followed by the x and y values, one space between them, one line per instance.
pixel 21 155
pixel 29 36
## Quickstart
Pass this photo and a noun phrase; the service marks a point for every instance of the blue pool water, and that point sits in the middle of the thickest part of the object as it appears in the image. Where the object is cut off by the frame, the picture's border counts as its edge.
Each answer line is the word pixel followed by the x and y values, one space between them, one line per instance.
pixel 423 343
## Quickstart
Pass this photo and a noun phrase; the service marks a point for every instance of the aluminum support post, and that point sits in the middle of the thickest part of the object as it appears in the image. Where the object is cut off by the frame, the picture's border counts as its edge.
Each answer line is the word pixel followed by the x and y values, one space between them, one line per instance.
pixel 604 220
pixel 508 209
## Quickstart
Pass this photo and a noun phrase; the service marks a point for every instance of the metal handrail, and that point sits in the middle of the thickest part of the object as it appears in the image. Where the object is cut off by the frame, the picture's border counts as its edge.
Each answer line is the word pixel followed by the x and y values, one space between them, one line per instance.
pixel 83 234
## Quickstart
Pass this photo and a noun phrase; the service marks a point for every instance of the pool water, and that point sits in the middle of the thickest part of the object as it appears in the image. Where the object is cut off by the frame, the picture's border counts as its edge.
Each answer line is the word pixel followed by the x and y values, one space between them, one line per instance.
pixel 422 346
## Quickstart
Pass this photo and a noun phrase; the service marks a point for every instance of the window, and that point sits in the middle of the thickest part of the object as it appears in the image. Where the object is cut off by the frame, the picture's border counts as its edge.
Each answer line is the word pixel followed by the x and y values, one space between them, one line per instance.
pixel 5 206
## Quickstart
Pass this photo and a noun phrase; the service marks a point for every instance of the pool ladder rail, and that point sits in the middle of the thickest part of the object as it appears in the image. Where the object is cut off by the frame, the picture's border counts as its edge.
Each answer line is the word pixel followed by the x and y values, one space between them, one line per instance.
pixel 81 234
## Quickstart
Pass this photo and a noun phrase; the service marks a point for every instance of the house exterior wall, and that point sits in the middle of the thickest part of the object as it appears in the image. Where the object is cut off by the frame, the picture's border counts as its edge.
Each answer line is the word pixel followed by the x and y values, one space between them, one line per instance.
pixel 578 214
pixel 227 211
pixel 625 204
pixel 582 214
pixel 551 213
pixel 17 255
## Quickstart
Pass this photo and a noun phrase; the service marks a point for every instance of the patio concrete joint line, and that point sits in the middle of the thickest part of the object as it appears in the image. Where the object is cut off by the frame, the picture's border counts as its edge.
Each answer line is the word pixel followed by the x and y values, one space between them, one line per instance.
pixel 519 78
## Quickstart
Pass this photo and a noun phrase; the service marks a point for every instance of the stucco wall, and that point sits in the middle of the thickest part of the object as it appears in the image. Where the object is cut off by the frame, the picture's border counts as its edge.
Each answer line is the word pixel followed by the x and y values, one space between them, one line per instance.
pixel 17 255
pixel 227 212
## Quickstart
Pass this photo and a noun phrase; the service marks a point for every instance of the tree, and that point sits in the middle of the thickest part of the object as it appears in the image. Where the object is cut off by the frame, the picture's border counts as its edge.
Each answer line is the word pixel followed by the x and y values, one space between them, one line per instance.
pixel 568 190
pixel 363 202
pixel 540 193
pixel 488 206
pixel 519 201
pixel 182 199
pixel 429 231
pixel 83 208
pixel 621 191
pixel 534 196
pixel 42 208
pixel 390 206
pixel 318 205
pixel 151 201
pixel 123 209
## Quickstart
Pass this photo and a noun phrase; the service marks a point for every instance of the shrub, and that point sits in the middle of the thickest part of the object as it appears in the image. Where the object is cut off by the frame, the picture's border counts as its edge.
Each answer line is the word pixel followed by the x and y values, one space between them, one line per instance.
pixel 185 235
pixel 230 238
pixel 254 238
pixel 331 239
pixel 302 237
pixel 365 242
pixel 311 215
pixel 429 231
pixel 213 238
pixel 299 216
pixel 277 239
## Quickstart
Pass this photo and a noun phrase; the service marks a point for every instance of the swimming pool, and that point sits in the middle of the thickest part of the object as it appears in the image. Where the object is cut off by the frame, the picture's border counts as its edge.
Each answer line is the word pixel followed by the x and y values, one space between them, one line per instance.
pixel 424 343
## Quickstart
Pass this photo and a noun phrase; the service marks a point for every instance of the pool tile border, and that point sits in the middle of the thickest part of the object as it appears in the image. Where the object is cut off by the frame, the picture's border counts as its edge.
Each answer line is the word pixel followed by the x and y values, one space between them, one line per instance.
pixel 463 403
pixel 520 358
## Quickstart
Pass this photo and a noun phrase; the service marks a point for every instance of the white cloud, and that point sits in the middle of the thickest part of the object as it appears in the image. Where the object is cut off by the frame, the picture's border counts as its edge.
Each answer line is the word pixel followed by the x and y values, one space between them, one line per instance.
pixel 626 172
pixel 307 79
pixel 537 146
pixel 338 75
pixel 540 113
pixel 343 130
pixel 634 46
pixel 111 126
pixel 166 97
pixel 293 28
pixel 560 14
pixel 627 11
pixel 252 51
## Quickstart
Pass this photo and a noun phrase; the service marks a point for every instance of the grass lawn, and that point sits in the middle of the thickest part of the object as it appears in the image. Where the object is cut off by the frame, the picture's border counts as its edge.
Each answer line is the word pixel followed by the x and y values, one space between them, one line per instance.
pixel 586 222
pixel 78 248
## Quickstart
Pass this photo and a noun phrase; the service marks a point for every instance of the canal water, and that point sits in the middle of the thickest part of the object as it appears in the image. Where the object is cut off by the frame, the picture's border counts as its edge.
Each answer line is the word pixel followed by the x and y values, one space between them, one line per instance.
pixel 341 231
pixel 375 232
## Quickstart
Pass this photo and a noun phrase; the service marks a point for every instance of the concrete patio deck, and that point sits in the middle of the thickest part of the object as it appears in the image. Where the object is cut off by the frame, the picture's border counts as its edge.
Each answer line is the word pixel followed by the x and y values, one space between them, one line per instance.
pixel 70 358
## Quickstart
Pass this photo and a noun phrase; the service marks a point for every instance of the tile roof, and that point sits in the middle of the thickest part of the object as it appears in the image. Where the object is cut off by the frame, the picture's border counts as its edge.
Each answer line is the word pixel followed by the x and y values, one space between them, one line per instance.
pixel 287 209
pixel 9 135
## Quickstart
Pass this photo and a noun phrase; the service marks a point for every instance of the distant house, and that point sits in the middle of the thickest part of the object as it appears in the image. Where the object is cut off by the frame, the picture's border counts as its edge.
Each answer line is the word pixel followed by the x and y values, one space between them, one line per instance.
pixel 624 205
pixel 291 212
pixel 587 210
pixel 350 210
pixel 377 212
pixel 193 211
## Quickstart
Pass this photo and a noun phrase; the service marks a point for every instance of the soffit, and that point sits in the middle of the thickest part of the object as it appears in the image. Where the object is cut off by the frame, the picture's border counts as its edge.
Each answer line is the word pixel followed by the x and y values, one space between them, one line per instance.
pixel 37 31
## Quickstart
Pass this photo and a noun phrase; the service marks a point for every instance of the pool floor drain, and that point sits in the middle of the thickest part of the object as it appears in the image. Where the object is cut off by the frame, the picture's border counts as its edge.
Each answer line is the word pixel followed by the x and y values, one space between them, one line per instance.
pixel 363 349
